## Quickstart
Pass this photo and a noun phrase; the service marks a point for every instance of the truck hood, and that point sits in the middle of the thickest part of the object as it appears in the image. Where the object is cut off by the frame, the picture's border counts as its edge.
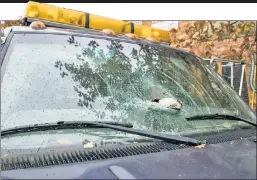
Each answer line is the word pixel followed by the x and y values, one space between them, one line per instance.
pixel 235 160
pixel 229 160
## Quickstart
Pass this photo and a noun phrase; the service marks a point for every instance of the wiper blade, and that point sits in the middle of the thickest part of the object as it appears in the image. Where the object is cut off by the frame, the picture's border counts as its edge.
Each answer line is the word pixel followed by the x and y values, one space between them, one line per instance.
pixel 99 124
pixel 219 117
pixel 60 125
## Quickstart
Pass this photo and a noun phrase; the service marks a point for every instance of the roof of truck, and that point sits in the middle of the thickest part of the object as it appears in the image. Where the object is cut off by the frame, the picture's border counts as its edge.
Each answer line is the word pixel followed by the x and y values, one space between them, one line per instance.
pixel 87 33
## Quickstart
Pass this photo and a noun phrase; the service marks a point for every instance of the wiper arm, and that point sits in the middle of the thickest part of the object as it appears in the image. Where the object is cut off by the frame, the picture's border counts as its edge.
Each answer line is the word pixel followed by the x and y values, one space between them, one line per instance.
pixel 165 137
pixel 99 124
pixel 218 117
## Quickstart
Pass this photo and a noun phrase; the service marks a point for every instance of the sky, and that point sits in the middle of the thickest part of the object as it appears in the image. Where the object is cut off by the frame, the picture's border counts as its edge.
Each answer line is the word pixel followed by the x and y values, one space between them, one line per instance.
pixel 149 11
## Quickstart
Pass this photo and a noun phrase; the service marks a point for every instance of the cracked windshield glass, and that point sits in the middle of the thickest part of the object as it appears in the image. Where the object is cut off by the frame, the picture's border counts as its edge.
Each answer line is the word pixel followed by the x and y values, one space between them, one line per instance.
pixel 50 78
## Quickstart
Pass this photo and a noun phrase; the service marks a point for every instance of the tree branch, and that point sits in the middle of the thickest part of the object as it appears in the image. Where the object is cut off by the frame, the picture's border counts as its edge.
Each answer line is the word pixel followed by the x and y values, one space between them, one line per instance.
pixel 233 23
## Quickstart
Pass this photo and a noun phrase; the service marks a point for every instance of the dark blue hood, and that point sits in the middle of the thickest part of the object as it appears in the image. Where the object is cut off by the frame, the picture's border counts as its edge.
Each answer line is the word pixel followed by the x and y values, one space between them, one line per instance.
pixel 232 160
pixel 235 160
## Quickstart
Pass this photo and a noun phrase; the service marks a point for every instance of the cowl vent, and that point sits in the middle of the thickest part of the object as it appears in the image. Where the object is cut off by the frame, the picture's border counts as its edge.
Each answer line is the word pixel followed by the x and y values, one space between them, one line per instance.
pixel 58 157
pixel 83 155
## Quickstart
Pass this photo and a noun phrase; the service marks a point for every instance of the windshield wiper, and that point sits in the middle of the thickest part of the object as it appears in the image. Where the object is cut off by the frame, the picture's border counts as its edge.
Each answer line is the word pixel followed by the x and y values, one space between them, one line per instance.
pixel 60 125
pixel 219 117
pixel 99 124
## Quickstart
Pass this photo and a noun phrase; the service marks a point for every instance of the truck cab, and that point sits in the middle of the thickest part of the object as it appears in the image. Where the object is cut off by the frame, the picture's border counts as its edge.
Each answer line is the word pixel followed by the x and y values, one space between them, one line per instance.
pixel 85 103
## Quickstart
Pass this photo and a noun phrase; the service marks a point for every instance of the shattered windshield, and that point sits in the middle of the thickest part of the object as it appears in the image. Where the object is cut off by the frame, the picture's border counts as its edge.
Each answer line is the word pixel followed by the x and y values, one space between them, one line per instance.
pixel 49 78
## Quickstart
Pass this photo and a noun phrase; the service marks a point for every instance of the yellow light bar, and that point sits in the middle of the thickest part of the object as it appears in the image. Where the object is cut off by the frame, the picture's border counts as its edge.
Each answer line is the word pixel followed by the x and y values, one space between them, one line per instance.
pixel 59 15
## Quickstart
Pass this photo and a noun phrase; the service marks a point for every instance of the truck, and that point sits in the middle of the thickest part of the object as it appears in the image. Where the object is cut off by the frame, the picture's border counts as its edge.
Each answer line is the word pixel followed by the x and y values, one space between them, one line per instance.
pixel 88 97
